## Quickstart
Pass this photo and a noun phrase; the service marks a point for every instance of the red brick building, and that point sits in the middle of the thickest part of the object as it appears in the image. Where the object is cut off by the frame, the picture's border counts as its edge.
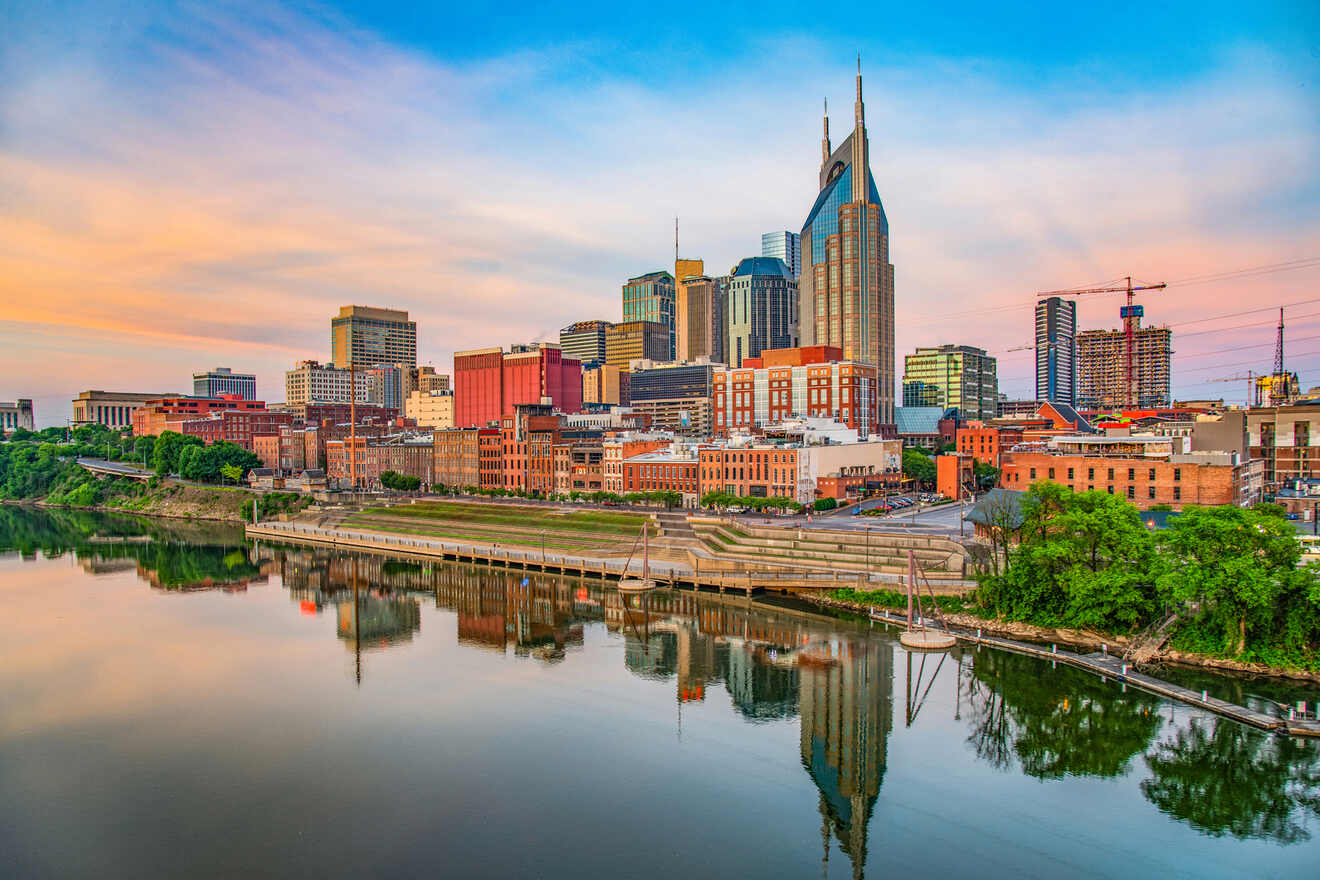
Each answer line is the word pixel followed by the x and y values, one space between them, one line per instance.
pixel 235 426
pixel 984 443
pixel 746 398
pixel 757 472
pixel 410 456
pixel 163 414
pixel 489 382
pixel 1197 478
pixel 669 470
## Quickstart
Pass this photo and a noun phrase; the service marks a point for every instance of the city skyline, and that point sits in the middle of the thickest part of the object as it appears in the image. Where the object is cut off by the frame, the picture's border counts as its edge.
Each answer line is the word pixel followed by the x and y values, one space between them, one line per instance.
pixel 290 162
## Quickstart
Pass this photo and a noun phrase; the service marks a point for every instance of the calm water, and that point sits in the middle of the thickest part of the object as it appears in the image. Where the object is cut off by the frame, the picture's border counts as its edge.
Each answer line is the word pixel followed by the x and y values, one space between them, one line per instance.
pixel 186 704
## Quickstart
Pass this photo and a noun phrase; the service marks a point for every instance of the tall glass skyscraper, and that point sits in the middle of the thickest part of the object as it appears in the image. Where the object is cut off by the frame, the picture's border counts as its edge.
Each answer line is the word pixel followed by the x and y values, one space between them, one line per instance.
pixel 786 246
pixel 1056 350
pixel 762 302
pixel 846 286
pixel 651 298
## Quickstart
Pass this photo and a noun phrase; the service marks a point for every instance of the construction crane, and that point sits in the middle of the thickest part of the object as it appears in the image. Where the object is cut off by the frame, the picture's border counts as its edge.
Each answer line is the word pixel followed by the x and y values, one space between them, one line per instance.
pixel 1250 379
pixel 1130 313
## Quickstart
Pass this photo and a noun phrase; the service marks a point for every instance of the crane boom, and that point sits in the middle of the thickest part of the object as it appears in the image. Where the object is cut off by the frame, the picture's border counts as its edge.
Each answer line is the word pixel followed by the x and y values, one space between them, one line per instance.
pixel 1130 314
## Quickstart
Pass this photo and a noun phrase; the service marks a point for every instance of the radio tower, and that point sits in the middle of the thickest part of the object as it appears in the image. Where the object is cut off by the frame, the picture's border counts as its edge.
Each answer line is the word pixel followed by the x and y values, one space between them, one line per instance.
pixel 1279 384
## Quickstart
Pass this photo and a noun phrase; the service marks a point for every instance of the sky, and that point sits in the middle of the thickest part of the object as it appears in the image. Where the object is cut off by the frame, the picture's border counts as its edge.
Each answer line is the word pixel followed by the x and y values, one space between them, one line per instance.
pixel 184 186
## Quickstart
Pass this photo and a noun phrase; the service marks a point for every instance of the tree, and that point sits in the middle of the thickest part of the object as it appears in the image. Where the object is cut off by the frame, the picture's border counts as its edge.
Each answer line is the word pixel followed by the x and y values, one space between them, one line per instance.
pixel 231 472
pixel 918 466
pixel 165 451
pixel 1084 559
pixel 1238 568
pixel 986 475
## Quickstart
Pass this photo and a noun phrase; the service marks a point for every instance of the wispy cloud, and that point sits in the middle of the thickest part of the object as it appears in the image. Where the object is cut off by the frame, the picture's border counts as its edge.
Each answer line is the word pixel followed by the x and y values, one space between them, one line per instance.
pixel 217 196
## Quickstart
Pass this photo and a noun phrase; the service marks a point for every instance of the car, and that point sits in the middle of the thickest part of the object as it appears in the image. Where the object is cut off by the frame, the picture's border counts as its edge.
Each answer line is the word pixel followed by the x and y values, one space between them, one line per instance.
pixel 735 509
pixel 1294 516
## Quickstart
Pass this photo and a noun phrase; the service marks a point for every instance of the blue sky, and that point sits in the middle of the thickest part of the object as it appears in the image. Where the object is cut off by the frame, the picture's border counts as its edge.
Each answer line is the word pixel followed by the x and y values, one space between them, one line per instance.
pixel 201 184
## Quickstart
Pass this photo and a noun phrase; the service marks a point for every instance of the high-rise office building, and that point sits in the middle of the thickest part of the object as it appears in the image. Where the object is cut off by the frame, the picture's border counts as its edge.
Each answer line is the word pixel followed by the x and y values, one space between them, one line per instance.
pixel 638 340
pixel 364 336
pixel 762 308
pixel 958 376
pixel 222 380
pixel 650 297
pixel 786 246
pixel 1102 368
pixel 1056 350
pixel 847 282
pixel 700 322
pixel 312 382
pixel 584 341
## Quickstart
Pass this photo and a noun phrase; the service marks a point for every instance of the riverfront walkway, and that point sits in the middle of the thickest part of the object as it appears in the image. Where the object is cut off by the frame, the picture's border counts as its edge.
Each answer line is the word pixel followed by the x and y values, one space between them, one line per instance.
pixel 1108 666
pixel 666 573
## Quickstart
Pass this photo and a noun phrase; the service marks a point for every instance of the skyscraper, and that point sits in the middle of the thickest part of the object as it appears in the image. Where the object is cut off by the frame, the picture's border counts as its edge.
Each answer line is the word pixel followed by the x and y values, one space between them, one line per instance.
pixel 762 308
pixel 650 297
pixel 364 337
pixel 585 341
pixel 847 282
pixel 1056 350
pixel 701 313
pixel 786 246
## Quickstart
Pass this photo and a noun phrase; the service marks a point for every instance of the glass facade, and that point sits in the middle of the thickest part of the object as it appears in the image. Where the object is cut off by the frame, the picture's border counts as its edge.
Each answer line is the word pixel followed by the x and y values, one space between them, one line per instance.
pixel 786 246
pixel 762 308
pixel 959 376
pixel 651 298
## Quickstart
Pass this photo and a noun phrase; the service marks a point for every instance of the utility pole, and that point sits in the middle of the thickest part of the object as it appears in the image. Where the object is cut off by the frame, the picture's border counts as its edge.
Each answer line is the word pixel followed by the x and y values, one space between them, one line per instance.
pixel 352 424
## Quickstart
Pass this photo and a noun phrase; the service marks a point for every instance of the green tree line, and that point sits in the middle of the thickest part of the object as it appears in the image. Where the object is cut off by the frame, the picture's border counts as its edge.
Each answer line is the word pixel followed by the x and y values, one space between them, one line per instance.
pixel 1231 575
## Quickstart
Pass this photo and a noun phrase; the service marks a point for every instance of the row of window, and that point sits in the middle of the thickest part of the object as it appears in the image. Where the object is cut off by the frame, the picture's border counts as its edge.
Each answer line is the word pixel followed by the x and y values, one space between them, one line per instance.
pixel 1131 473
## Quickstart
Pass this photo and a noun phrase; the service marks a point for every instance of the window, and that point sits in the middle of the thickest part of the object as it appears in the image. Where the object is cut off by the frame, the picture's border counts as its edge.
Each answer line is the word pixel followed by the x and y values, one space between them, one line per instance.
pixel 1177 475
pixel 1132 491
pixel 1177 493
pixel 1051 473
pixel 1150 492
pixel 1152 475
pixel 1111 473
pixel 1070 473
pixel 1090 473
pixel 1033 473
pixel 1132 473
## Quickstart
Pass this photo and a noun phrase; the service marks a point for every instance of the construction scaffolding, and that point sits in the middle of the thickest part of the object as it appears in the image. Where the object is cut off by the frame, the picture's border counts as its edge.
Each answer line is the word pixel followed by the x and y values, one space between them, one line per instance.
pixel 1102 368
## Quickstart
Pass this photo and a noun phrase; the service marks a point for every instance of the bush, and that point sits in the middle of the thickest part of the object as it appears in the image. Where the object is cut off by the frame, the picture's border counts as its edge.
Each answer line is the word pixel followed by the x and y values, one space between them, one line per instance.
pixel 823 504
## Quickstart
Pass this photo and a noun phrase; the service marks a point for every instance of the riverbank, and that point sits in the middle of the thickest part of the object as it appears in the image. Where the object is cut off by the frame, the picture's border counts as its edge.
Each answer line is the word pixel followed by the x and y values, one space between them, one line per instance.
pixel 1077 639
pixel 172 500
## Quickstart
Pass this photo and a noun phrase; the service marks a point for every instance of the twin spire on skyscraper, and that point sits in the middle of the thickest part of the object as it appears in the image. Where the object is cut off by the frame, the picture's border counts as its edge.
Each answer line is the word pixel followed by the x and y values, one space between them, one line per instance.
pixel 859 117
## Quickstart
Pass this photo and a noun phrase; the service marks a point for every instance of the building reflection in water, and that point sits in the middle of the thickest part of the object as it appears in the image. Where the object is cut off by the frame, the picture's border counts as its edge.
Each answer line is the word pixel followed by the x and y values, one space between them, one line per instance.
pixel 846 704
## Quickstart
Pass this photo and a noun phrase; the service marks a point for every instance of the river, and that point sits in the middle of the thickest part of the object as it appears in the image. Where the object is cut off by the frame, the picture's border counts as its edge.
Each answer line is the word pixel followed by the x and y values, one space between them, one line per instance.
pixel 176 701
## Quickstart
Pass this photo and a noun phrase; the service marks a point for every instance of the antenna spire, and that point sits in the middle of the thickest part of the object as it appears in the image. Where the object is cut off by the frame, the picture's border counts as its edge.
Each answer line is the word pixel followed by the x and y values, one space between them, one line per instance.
pixel 825 141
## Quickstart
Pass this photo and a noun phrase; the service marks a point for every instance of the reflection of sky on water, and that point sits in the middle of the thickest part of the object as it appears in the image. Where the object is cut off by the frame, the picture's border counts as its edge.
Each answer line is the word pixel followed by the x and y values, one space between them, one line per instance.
pixel 511 723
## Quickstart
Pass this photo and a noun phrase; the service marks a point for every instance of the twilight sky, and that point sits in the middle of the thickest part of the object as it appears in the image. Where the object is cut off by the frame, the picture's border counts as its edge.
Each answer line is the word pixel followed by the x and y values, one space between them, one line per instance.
pixel 191 185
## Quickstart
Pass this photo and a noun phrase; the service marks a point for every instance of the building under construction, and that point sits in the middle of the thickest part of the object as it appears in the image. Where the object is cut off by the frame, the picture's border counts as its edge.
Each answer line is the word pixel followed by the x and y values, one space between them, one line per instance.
pixel 1102 368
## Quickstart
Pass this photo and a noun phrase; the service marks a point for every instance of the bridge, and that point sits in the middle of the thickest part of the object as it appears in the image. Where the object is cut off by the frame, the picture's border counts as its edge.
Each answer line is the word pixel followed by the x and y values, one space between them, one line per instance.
pixel 103 468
